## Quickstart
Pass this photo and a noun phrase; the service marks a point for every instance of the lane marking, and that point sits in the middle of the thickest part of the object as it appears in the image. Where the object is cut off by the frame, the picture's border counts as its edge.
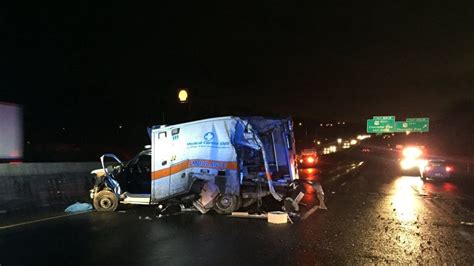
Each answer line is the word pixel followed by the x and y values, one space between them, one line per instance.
pixel 332 179
pixel 41 220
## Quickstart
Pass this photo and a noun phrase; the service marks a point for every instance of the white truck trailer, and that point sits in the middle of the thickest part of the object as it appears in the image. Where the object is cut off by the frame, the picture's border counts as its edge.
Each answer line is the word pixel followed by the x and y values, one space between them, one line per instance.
pixel 220 163
pixel 11 132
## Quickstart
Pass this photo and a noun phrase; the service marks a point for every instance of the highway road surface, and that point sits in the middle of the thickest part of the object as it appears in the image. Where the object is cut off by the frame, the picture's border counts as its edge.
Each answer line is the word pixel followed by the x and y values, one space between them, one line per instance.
pixel 375 215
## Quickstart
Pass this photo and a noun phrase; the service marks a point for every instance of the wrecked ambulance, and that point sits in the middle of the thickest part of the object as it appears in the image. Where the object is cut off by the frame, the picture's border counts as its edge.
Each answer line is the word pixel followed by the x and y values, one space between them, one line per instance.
pixel 222 163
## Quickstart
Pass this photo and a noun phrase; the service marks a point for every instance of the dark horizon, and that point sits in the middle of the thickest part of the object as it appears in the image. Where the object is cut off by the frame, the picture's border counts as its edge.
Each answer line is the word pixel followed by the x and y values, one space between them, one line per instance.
pixel 89 74
pixel 320 61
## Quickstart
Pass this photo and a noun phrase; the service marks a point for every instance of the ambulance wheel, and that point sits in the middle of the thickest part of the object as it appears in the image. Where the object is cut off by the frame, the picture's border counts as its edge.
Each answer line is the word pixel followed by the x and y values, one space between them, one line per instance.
pixel 226 203
pixel 239 203
pixel 105 201
pixel 248 202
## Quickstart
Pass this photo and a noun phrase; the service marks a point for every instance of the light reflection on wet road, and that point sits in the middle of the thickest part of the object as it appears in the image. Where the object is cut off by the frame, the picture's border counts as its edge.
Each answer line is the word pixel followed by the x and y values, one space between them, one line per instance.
pixel 312 175
pixel 405 200
pixel 380 216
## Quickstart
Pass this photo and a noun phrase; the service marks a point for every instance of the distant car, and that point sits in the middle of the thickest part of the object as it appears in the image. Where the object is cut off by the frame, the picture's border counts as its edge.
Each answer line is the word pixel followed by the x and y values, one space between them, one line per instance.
pixel 365 150
pixel 308 159
pixel 412 160
pixel 437 170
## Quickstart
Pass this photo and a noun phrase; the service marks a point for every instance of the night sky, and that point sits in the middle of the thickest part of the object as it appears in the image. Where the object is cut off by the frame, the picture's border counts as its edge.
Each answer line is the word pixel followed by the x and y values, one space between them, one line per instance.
pixel 82 63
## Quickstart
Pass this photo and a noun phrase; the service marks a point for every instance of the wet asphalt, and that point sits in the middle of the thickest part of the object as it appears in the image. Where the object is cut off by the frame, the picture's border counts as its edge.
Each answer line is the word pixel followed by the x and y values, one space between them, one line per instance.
pixel 375 215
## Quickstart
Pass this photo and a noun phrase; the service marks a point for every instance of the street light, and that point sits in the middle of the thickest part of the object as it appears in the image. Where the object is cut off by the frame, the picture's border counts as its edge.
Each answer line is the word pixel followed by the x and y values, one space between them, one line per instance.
pixel 183 96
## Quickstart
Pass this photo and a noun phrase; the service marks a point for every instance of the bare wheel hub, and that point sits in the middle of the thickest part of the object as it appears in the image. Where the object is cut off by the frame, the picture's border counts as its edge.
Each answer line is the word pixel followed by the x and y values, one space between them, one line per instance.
pixel 225 201
pixel 105 202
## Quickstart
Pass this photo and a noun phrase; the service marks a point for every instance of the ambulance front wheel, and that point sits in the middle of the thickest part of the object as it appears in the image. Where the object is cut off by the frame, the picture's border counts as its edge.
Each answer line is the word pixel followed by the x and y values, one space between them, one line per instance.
pixel 226 203
pixel 106 201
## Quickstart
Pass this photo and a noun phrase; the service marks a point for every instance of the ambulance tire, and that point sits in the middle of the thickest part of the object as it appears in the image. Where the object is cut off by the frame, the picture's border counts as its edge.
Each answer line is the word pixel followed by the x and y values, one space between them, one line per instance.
pixel 239 202
pixel 106 201
pixel 226 203
pixel 248 202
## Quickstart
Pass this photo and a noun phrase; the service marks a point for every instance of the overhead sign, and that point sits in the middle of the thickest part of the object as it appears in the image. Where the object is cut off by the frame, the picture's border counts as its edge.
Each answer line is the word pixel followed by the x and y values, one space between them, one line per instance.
pixel 413 125
pixel 383 118
pixel 401 126
pixel 387 124
pixel 381 124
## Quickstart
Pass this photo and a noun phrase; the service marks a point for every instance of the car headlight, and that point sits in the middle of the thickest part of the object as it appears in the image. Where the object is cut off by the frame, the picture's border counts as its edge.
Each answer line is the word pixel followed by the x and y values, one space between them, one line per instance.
pixel 412 152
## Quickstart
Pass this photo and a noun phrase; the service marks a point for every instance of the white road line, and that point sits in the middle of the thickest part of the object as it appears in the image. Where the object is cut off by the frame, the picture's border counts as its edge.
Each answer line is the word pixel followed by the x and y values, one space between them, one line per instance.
pixel 41 220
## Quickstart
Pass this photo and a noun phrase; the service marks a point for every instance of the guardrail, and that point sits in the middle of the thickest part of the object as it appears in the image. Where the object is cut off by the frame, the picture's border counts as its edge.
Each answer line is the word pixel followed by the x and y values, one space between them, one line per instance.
pixel 30 186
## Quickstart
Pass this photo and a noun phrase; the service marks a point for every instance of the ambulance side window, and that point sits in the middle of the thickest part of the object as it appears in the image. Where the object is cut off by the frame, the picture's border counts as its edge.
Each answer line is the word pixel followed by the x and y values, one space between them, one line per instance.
pixel 162 135
pixel 144 162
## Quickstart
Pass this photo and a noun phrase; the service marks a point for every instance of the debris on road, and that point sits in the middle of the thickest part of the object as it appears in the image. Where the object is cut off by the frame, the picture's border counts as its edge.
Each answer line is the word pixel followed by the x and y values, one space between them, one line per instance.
pixel 190 209
pixel 248 215
pixel 308 213
pixel 274 217
pixel 277 217
pixel 173 210
pixel 79 207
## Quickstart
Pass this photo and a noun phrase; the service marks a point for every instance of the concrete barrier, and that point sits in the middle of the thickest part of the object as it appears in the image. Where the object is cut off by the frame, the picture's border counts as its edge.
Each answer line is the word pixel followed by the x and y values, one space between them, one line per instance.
pixel 32 186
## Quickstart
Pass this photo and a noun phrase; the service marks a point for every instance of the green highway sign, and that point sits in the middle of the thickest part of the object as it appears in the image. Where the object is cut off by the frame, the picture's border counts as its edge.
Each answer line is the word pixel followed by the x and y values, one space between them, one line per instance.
pixel 422 119
pixel 413 125
pixel 380 126
pixel 401 126
pixel 387 124
pixel 390 117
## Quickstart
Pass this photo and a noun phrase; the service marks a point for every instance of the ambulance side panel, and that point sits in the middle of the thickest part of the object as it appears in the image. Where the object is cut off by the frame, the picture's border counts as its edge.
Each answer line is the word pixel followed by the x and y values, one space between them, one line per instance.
pixel 200 150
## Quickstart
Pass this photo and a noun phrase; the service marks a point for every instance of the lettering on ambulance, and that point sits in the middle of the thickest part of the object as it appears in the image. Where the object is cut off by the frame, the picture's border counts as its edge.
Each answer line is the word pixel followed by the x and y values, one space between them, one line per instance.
pixel 195 163
pixel 220 165
pixel 209 141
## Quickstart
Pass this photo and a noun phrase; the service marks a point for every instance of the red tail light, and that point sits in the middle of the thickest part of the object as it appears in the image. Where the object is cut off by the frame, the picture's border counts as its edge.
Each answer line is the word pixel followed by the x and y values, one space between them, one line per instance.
pixel 310 160
pixel 449 169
